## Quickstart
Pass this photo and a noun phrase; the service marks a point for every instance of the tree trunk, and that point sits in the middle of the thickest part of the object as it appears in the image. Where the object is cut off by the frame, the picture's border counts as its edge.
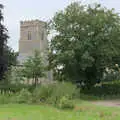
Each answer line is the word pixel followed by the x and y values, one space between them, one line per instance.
pixel 36 81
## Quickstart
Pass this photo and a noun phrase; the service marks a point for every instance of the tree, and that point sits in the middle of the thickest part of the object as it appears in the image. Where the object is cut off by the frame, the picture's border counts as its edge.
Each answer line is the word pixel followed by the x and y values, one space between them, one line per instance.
pixel 8 57
pixel 11 56
pixel 86 40
pixel 3 44
pixel 33 68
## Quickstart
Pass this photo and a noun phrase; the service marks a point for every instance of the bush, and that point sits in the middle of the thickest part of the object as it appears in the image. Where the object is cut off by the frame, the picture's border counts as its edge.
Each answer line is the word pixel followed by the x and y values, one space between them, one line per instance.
pixel 5 97
pixel 65 103
pixel 52 93
pixel 13 76
pixel 60 90
pixel 106 90
pixel 42 93
pixel 24 96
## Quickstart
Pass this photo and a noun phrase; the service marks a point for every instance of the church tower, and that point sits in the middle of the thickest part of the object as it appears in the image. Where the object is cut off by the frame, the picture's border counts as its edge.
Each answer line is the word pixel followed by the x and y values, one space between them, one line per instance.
pixel 33 36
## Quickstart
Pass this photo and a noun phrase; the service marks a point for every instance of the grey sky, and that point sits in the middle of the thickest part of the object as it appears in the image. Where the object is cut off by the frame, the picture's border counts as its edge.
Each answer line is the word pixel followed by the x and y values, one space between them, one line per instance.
pixel 16 10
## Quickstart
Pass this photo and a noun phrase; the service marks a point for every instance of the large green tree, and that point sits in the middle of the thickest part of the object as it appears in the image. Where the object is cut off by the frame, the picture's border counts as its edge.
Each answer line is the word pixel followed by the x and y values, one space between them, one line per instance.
pixel 86 40
pixel 7 55
pixel 3 42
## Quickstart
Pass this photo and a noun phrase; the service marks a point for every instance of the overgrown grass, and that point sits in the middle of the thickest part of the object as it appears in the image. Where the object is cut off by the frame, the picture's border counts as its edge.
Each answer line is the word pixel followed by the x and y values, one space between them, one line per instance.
pixel 59 94
pixel 45 111
pixel 82 111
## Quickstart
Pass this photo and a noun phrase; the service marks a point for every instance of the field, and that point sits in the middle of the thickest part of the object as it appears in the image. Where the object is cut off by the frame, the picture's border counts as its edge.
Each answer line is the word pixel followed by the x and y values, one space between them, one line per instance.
pixel 82 111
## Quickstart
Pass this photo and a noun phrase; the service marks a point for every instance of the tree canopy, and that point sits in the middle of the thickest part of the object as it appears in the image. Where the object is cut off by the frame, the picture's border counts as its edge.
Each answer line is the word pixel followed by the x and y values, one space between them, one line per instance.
pixel 3 42
pixel 33 68
pixel 7 55
pixel 86 40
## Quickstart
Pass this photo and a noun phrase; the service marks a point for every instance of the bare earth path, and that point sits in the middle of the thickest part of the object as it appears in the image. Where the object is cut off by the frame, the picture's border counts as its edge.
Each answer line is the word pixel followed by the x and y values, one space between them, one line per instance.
pixel 110 103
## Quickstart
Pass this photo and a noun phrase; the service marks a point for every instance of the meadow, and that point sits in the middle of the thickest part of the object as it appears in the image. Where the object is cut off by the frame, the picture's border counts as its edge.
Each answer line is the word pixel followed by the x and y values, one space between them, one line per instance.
pixel 82 111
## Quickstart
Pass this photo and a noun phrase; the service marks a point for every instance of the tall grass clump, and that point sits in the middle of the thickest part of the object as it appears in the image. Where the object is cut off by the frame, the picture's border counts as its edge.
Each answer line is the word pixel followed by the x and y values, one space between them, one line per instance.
pixel 42 93
pixel 62 89
pixel 59 94
pixel 24 96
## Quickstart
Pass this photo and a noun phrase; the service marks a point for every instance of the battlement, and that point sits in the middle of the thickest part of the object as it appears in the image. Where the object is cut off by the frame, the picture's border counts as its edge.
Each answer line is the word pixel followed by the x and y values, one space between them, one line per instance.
pixel 32 22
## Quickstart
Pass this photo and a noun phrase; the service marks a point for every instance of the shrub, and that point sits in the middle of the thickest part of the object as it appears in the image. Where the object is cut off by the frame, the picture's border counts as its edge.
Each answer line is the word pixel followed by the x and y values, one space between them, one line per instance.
pixel 5 97
pixel 13 76
pixel 52 93
pixel 42 93
pixel 24 96
pixel 65 103
pixel 60 90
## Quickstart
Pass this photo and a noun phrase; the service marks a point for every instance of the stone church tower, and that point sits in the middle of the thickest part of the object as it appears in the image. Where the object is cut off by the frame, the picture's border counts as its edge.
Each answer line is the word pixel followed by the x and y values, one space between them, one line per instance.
pixel 33 36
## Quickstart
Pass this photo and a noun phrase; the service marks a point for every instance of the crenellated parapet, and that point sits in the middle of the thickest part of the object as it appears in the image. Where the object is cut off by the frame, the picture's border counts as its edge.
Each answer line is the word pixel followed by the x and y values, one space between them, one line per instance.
pixel 32 22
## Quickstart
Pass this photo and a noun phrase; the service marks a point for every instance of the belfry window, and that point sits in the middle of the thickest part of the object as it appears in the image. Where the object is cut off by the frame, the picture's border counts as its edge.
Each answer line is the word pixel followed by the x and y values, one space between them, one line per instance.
pixel 29 35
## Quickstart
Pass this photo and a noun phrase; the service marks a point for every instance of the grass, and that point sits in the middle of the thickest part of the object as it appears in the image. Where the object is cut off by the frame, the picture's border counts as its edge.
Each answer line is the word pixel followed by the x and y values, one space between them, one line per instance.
pixel 83 111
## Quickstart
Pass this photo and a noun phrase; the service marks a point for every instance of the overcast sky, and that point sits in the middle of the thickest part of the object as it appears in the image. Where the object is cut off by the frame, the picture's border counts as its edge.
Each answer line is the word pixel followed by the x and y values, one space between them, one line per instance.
pixel 17 10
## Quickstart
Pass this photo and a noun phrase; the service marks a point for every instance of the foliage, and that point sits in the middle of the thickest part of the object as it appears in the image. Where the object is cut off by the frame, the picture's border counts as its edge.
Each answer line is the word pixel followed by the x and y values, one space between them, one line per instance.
pixel 33 68
pixel 106 90
pixel 62 89
pixel 10 56
pixel 42 93
pixel 49 93
pixel 13 76
pixel 65 103
pixel 15 88
pixel 5 98
pixel 3 43
pixel 7 55
pixel 85 42
pixel 11 93
pixel 112 74
pixel 23 96
pixel 52 93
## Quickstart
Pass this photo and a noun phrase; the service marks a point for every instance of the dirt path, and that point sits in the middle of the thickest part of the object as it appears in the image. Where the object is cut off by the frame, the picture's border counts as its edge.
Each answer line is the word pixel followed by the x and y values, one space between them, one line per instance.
pixel 110 103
